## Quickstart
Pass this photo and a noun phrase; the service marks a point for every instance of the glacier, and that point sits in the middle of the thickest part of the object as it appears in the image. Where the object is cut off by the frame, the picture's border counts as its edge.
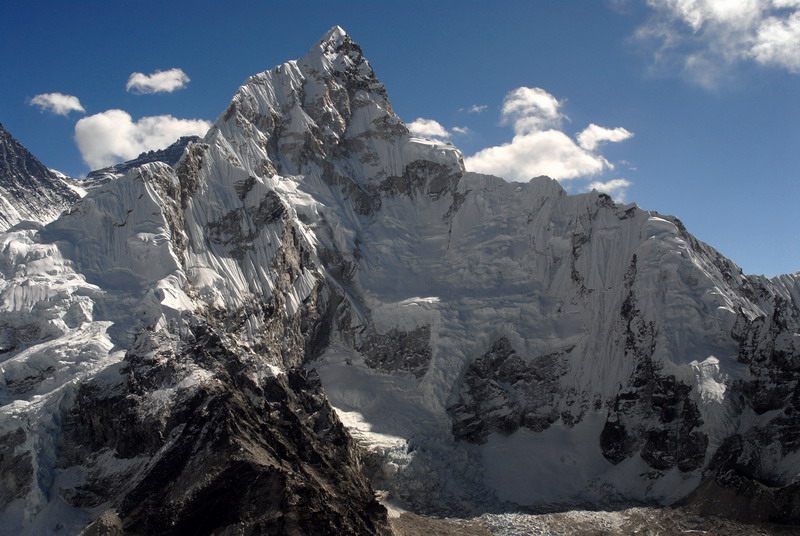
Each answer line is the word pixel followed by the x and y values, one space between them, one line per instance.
pixel 311 270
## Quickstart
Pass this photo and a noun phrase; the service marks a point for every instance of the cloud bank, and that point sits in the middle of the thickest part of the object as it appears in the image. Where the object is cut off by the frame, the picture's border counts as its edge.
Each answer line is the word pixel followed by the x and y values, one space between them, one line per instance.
pixel 531 109
pixel 703 39
pixel 113 136
pixel 158 82
pixel 592 136
pixel 427 128
pixel 539 146
pixel 57 103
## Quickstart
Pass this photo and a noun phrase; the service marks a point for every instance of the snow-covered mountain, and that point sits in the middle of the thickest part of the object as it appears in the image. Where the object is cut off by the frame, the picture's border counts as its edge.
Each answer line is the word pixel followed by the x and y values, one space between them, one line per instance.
pixel 489 344
pixel 29 191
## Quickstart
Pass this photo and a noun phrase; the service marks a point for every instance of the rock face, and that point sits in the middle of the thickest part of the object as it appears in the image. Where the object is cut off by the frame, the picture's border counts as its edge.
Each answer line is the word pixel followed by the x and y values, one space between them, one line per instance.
pixel 750 475
pixel 264 456
pixel 487 344
pixel 28 189
pixel 503 392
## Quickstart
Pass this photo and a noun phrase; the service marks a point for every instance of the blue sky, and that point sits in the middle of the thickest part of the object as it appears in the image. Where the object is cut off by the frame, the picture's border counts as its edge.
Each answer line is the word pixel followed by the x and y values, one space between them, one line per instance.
pixel 702 94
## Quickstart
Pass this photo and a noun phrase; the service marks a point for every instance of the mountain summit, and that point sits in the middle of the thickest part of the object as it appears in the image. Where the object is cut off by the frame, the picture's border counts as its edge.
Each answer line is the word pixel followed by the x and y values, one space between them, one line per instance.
pixel 312 303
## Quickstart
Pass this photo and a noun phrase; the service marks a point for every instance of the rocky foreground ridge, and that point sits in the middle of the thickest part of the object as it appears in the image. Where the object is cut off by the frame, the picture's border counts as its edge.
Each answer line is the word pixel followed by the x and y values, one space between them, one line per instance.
pixel 312 304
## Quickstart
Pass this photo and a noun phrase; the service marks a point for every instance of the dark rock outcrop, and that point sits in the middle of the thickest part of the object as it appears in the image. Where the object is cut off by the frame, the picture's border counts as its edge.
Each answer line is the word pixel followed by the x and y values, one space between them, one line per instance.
pixel 397 350
pixel 232 453
pixel 503 392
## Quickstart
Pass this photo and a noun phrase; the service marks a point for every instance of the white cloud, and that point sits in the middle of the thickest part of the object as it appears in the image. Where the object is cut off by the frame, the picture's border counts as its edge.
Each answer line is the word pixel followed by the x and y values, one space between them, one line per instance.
pixel 461 130
pixel 477 108
pixel 704 39
pixel 592 136
pixel 616 188
pixel 112 136
pixel 539 146
pixel 530 109
pixel 57 103
pixel 778 42
pixel 158 82
pixel 549 152
pixel 427 128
